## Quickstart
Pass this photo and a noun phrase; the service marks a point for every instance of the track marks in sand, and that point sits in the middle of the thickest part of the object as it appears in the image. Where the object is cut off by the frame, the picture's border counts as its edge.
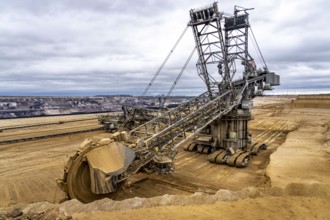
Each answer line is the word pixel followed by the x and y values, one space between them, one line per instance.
pixel 28 170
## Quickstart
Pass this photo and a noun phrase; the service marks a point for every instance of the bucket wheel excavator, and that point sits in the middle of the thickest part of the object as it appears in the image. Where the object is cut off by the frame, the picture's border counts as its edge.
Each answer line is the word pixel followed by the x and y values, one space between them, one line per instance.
pixel 214 122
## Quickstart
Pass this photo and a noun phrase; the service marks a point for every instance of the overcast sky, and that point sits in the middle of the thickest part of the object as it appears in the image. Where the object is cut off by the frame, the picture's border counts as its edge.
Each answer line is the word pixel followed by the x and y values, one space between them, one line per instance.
pixel 91 47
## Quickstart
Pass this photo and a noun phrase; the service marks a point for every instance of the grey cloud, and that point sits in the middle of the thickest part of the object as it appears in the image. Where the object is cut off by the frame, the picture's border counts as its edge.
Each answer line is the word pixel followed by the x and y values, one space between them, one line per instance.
pixel 118 7
pixel 107 47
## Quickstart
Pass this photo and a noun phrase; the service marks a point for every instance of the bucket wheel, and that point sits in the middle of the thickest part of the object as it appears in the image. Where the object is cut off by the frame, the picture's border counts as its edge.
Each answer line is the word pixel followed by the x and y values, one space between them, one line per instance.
pixel 76 182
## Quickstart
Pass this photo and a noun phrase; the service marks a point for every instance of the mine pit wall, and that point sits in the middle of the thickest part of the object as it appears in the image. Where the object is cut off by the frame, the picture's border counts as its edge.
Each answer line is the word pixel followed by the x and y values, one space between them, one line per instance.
pixel 21 113
pixel 312 101
pixel 304 156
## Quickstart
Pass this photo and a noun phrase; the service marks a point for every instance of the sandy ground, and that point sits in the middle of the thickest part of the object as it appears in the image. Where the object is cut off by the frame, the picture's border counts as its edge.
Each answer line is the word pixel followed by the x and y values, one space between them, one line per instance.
pixel 253 208
pixel 28 170
pixel 275 208
pixel 305 155
pixel 288 181
pixel 295 201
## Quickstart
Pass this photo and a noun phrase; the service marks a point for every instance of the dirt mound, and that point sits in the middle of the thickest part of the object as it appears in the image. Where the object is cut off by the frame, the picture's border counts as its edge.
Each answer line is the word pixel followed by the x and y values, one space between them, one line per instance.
pixel 45 210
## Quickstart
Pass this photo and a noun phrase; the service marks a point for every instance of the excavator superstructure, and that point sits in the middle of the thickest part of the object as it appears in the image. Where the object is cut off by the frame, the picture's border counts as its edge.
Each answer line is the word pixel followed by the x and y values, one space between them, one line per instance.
pixel 214 122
